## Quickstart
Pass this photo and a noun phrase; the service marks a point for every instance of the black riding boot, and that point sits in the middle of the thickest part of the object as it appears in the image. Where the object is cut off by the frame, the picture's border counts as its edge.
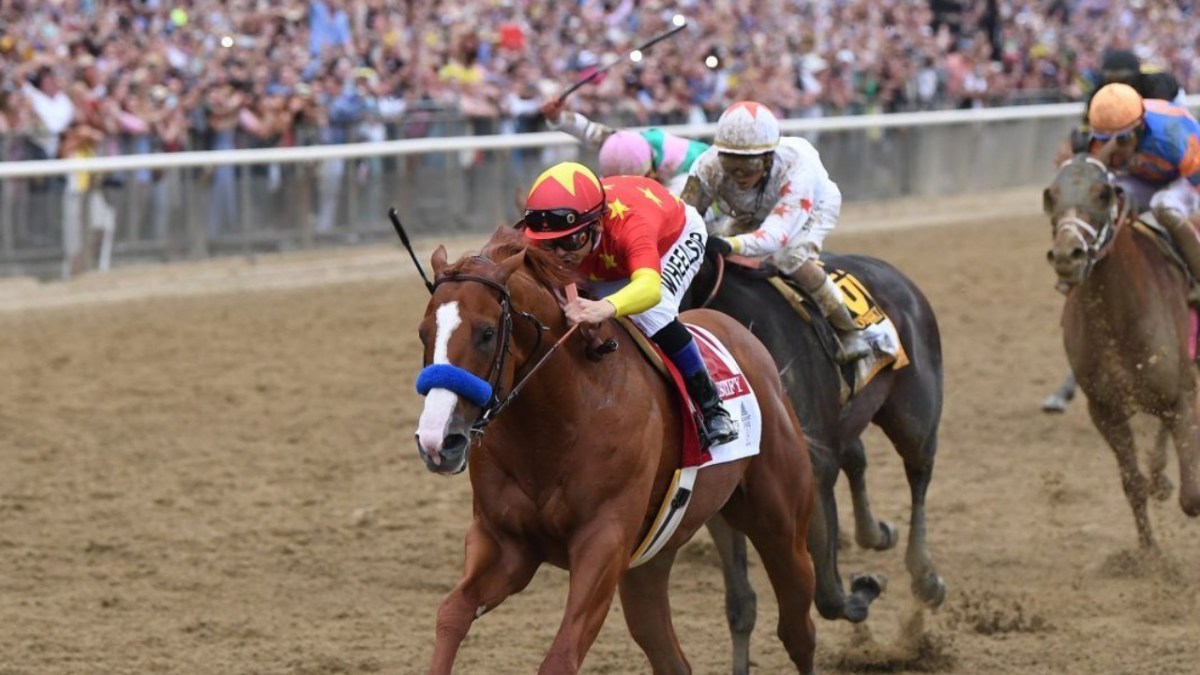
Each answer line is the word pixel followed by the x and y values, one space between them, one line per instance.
pixel 719 427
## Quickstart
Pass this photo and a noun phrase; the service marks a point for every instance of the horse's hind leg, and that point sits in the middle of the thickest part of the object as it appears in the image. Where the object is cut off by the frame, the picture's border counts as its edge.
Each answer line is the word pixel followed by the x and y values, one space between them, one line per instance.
pixel 916 442
pixel 648 614
pixel 927 584
pixel 741 604
pixel 1185 427
pixel 1113 425
pixel 869 533
pixel 786 559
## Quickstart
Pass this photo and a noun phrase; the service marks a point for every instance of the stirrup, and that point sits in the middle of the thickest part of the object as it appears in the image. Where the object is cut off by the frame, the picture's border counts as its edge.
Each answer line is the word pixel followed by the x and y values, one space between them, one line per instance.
pixel 715 440
pixel 846 354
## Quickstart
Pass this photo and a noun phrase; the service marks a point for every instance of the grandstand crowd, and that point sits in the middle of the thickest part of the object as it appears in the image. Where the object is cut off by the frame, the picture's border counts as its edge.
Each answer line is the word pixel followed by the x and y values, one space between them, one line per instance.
pixel 84 77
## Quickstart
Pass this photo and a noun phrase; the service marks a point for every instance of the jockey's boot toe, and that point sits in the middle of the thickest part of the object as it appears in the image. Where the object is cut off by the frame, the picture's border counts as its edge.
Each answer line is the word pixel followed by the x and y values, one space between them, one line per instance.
pixel 1193 294
pixel 719 427
pixel 854 347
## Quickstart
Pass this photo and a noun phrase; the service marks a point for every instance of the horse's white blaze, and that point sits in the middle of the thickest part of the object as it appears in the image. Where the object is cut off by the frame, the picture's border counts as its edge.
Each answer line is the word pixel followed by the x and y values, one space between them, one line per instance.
pixel 447 320
pixel 440 403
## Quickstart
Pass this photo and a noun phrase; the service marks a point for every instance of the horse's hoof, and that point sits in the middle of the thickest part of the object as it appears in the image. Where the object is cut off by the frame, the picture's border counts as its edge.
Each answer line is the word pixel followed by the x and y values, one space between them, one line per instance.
pixel 870 586
pixel 889 534
pixel 1161 488
pixel 931 589
pixel 856 609
pixel 1054 403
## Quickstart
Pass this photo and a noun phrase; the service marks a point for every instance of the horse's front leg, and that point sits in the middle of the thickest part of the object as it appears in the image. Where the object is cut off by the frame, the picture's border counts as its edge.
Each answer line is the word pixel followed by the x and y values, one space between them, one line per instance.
pixel 1113 425
pixel 831 599
pixel 1058 401
pixel 878 535
pixel 1160 486
pixel 493 570
pixel 599 556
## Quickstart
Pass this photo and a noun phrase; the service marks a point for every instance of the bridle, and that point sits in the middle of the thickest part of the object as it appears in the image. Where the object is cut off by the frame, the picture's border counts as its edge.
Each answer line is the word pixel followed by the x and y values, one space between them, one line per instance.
pixel 497 403
pixel 1096 241
pixel 452 377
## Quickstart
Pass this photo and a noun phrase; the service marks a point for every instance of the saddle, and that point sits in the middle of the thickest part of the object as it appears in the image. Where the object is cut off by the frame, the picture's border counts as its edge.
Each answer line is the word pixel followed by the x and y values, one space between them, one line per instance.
pixel 882 332
pixel 805 307
pixel 1148 226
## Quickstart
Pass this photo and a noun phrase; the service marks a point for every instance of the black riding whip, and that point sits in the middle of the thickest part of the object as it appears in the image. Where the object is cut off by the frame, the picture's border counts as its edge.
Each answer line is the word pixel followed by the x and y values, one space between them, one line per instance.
pixel 408 245
pixel 635 55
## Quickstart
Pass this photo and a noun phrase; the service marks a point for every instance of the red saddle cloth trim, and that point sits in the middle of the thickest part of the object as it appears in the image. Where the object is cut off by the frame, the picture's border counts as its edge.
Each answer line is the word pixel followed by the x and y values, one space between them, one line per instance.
pixel 1193 331
pixel 729 384
pixel 692 454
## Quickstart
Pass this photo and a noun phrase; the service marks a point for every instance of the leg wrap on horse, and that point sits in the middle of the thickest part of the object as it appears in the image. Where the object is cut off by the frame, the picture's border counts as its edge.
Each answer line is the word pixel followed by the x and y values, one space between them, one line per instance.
pixel 829 299
pixel 680 347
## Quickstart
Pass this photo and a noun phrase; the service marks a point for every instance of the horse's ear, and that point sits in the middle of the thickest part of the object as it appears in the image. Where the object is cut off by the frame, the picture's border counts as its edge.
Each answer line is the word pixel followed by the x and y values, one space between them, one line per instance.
pixel 438 261
pixel 511 264
pixel 1049 199
pixel 1104 195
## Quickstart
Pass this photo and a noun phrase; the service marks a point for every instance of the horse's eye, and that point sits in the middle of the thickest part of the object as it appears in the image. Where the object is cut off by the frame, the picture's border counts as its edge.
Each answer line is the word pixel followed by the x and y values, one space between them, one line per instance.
pixel 488 334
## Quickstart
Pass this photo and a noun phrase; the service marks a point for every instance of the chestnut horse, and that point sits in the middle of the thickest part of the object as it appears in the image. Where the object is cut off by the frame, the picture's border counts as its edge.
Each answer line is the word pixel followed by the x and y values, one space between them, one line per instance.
pixel 1125 328
pixel 579 455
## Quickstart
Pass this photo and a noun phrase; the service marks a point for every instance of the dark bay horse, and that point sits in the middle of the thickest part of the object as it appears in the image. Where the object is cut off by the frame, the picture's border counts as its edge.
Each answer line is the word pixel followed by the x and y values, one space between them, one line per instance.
pixel 1125 328
pixel 906 404
pixel 572 470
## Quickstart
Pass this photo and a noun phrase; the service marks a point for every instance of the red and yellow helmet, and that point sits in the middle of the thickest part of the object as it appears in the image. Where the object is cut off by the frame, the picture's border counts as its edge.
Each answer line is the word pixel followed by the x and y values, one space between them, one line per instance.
pixel 1114 110
pixel 566 198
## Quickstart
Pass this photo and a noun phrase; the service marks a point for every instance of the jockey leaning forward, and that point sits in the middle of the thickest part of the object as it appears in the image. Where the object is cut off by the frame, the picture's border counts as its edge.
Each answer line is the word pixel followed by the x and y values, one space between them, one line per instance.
pixel 781 202
pixel 1155 145
pixel 1121 65
pixel 639 247
pixel 651 152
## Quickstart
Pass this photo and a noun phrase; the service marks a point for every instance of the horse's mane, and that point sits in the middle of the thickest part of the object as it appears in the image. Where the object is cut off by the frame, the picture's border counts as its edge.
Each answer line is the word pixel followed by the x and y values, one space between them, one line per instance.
pixel 543 266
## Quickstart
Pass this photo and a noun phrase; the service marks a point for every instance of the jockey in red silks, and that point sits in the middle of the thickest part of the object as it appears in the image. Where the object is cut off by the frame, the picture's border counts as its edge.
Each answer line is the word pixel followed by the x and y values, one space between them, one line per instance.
pixel 780 202
pixel 653 153
pixel 638 246
pixel 1155 147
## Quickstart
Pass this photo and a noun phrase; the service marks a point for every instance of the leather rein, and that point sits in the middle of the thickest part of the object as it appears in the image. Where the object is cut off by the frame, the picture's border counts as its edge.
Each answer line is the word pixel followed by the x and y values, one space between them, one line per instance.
pixel 497 403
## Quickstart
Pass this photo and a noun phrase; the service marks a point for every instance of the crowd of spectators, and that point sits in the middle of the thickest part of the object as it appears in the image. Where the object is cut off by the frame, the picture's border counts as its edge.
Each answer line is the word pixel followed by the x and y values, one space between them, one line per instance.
pixel 85 77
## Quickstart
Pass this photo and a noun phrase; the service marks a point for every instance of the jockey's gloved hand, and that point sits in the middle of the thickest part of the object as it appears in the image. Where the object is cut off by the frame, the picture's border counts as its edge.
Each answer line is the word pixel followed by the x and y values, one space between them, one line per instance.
pixel 718 245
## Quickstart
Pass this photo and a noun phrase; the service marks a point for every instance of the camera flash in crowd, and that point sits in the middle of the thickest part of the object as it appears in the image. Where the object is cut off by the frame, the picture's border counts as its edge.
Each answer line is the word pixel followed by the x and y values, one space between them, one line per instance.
pixel 635 55
pixel 678 20
pixel 712 61
pixel 227 41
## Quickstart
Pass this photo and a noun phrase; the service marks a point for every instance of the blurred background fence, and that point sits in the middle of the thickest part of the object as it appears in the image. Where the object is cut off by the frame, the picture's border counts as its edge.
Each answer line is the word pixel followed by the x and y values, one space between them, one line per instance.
pixel 188 205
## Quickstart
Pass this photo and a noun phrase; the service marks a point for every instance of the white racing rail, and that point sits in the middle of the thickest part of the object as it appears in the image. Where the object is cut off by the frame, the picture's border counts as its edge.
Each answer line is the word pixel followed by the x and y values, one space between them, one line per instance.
pixel 61 167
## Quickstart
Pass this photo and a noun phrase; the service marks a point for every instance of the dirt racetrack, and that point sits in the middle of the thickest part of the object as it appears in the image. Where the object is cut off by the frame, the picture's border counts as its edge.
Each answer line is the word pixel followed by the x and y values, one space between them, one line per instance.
pixel 210 469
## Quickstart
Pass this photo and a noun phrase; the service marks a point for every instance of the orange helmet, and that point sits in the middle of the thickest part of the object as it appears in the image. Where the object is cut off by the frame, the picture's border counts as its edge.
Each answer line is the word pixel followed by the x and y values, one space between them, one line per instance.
pixel 1114 110
pixel 566 198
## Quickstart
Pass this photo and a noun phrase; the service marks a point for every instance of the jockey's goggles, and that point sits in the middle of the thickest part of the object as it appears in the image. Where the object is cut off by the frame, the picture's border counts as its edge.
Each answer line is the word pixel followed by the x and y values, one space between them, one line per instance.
pixel 543 224
pixel 570 243
pixel 742 167
pixel 1119 135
